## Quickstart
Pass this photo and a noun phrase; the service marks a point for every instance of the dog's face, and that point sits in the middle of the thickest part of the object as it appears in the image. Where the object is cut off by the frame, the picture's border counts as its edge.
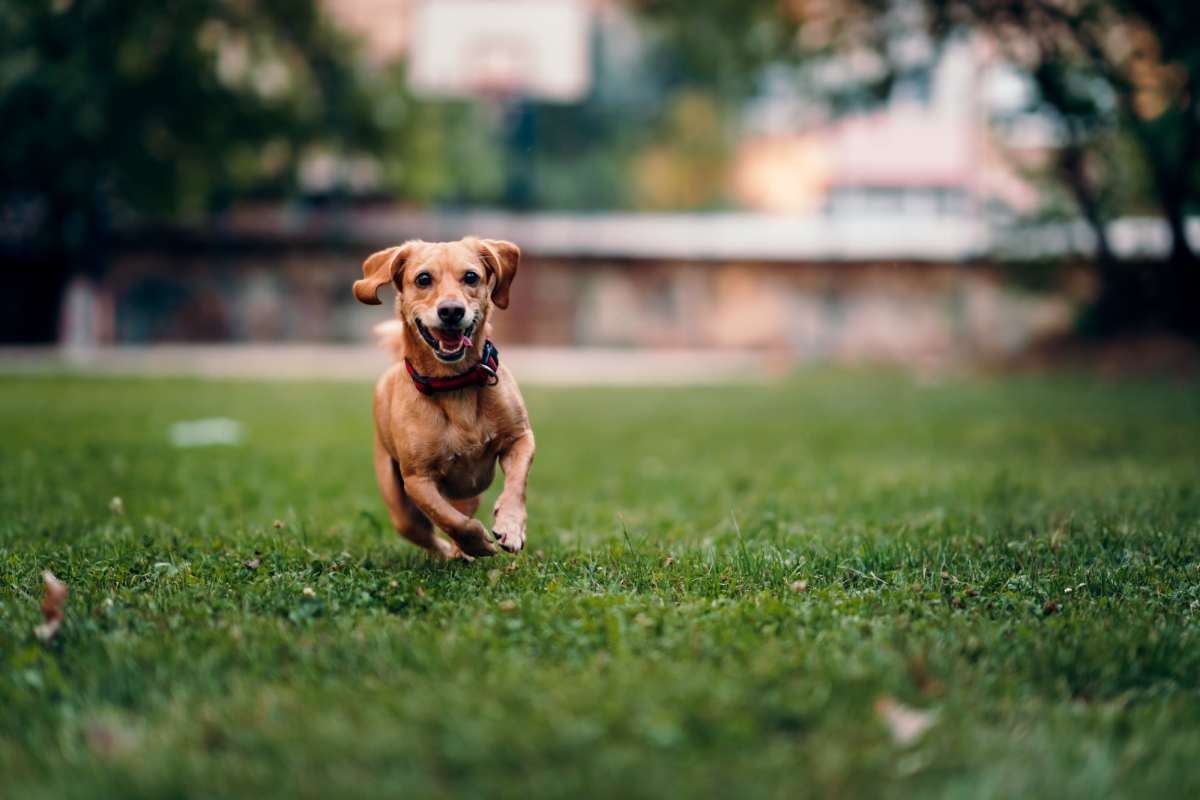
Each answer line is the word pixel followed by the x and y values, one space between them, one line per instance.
pixel 444 297
pixel 444 290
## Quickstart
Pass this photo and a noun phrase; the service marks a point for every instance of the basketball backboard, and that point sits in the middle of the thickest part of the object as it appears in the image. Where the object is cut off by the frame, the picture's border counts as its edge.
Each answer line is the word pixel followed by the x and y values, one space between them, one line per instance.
pixel 538 49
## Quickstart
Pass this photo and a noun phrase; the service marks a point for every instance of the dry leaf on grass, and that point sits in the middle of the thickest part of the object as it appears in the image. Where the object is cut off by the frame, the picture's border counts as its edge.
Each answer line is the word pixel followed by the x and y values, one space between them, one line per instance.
pixel 904 723
pixel 110 738
pixel 54 607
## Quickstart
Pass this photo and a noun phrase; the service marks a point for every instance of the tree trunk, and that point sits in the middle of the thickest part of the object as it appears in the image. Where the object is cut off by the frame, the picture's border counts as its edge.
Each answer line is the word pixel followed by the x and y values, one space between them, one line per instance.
pixel 1179 283
pixel 1175 211
pixel 1120 302
pixel 1072 172
pixel 31 291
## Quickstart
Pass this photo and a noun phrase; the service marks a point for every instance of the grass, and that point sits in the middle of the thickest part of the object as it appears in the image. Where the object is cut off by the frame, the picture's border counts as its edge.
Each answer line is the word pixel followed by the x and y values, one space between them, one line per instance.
pixel 1019 556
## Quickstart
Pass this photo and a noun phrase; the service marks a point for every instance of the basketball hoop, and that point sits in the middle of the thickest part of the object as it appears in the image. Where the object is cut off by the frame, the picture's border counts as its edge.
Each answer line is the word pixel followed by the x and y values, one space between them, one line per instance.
pixel 501 49
pixel 498 73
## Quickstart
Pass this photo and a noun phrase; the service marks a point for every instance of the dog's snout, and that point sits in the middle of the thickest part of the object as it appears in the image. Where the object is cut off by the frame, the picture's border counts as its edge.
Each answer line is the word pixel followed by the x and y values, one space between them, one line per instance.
pixel 451 313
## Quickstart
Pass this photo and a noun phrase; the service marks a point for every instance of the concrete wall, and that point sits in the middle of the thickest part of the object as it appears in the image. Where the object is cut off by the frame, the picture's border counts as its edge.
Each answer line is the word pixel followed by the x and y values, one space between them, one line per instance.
pixel 906 312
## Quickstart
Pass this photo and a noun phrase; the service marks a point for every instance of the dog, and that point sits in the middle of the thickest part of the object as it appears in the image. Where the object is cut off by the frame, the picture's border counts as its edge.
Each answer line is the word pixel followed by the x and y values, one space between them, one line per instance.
pixel 448 410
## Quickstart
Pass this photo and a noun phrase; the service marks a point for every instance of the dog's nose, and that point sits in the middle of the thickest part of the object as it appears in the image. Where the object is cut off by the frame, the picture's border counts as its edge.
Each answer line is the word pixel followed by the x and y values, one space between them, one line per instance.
pixel 451 313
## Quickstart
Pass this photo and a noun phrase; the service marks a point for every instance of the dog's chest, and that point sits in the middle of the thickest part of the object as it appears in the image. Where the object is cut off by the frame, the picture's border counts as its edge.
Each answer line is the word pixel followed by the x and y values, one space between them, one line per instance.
pixel 466 446
pixel 469 438
pixel 467 462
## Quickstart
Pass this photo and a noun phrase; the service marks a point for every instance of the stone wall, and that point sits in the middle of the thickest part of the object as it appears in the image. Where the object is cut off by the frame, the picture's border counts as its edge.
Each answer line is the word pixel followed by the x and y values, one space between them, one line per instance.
pixel 840 312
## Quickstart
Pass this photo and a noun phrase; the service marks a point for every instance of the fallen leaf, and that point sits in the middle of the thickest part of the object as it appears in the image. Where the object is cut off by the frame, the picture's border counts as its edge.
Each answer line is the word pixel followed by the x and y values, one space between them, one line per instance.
pixel 101 739
pixel 507 605
pixel 54 607
pixel 800 586
pixel 904 723
pixel 110 738
pixel 919 667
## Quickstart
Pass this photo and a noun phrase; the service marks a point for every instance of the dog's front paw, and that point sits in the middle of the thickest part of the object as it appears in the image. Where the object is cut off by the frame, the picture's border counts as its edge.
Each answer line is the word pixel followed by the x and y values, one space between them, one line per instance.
pixel 445 550
pixel 474 541
pixel 509 529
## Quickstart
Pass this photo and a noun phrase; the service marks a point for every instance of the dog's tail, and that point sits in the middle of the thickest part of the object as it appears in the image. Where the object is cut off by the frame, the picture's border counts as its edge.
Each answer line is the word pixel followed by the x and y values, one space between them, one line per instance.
pixel 390 336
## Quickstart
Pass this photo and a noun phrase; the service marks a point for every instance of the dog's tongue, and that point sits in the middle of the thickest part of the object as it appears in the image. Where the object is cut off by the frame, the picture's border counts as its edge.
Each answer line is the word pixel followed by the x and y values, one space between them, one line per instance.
pixel 451 341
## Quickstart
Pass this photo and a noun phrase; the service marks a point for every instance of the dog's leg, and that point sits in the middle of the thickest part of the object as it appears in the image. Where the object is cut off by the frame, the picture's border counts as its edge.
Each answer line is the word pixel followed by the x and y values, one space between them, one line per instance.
pixel 509 517
pixel 469 534
pixel 406 517
pixel 468 507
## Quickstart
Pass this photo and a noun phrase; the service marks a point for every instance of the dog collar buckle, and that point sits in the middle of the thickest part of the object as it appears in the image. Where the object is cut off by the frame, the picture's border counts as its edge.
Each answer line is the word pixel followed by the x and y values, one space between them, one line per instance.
pixel 491 378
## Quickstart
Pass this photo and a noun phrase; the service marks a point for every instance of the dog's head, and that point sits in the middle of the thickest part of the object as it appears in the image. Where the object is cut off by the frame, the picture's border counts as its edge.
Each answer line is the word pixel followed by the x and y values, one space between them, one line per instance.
pixel 445 290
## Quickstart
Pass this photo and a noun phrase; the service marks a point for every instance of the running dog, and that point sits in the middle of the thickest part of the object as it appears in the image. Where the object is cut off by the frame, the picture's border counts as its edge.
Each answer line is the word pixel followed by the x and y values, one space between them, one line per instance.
pixel 448 410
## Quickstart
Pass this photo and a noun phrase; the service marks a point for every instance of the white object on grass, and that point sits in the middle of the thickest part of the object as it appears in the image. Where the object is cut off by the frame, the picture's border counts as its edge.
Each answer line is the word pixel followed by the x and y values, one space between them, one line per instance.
pixel 206 432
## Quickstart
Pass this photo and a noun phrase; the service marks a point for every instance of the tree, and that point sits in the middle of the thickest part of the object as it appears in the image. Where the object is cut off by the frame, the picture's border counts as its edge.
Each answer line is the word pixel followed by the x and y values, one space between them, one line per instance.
pixel 157 110
pixel 1109 71
pixel 1133 65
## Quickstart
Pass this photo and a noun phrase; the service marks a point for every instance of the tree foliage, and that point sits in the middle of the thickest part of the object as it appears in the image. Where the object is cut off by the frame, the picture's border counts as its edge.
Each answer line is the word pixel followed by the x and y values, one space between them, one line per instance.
pixel 1110 73
pixel 162 107
pixel 1131 66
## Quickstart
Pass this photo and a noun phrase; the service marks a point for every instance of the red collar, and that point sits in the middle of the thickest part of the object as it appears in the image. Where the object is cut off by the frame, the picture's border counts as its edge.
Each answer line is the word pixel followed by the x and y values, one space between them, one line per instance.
pixel 482 374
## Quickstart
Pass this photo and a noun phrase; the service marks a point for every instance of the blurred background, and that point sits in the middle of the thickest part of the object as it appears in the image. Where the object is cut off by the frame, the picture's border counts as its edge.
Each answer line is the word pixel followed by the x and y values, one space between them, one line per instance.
pixel 758 182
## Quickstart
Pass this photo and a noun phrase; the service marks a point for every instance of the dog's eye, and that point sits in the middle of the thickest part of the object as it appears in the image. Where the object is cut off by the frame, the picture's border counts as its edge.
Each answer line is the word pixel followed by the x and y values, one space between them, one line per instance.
pixel 471 278
pixel 424 279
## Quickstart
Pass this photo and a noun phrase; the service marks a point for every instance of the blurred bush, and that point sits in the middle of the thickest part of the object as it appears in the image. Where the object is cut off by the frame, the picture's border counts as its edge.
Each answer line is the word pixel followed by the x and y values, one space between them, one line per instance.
pixel 163 110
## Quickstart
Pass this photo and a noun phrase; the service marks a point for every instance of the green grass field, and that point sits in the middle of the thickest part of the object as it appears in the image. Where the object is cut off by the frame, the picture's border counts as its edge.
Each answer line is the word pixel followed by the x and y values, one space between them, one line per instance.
pixel 1018 556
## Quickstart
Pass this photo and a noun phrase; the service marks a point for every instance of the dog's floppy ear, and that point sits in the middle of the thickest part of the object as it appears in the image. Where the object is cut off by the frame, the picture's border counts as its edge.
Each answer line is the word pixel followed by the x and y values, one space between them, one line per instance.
pixel 501 259
pixel 378 269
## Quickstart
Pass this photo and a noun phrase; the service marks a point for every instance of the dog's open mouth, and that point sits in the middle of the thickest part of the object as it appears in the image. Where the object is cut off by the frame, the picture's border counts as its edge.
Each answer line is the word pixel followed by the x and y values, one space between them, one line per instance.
pixel 448 344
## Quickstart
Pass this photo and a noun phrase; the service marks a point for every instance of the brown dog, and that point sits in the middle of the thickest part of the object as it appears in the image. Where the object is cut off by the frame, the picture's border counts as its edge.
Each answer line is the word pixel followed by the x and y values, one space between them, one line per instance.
pixel 448 411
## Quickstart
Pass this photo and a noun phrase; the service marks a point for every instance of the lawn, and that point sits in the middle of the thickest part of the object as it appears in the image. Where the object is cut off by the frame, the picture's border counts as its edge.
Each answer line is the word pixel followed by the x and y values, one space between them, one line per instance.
pixel 721 588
